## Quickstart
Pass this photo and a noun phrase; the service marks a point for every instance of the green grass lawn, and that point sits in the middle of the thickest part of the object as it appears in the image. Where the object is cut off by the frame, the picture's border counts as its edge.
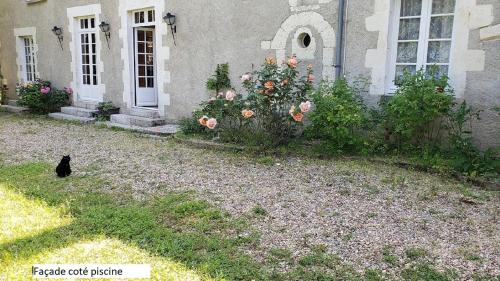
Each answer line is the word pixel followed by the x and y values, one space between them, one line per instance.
pixel 46 220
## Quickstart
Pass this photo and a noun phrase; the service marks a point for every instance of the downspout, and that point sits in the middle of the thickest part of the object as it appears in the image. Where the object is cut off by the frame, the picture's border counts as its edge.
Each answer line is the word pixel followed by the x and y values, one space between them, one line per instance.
pixel 339 49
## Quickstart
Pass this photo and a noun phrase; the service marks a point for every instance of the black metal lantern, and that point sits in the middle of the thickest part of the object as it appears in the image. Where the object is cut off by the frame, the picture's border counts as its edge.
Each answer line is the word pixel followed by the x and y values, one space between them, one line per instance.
pixel 170 19
pixel 59 33
pixel 105 28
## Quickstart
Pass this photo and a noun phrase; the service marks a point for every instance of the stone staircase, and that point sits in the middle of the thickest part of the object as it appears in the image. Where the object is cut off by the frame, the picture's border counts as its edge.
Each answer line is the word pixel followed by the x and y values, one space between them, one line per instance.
pixel 12 107
pixel 73 113
pixel 143 120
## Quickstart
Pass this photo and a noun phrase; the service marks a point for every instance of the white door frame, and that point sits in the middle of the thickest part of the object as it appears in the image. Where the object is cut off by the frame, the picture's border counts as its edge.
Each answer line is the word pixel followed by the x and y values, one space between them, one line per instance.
pixel 88 78
pixel 146 93
pixel 74 15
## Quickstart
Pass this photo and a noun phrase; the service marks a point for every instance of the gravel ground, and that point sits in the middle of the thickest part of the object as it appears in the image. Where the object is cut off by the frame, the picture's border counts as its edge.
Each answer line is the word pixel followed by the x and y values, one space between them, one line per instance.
pixel 354 208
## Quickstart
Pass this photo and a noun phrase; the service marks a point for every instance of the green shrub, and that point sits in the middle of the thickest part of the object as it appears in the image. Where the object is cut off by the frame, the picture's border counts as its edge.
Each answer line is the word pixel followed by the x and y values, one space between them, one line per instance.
pixel 41 98
pixel 338 116
pixel 416 112
pixel 220 80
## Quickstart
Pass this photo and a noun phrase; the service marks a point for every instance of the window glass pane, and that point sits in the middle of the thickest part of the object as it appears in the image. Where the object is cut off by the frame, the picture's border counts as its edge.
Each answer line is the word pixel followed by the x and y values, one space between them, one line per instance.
pixel 400 69
pixel 437 70
pixel 94 80
pixel 151 17
pixel 149 47
pixel 407 52
pixel 142 70
pixel 136 15
pixel 443 6
pixel 149 36
pixel 140 47
pixel 141 59
pixel 441 27
pixel 141 17
pixel 150 83
pixel 409 29
pixel 149 59
pixel 439 52
pixel 142 82
pixel 411 8
pixel 150 71
pixel 92 23
pixel 140 35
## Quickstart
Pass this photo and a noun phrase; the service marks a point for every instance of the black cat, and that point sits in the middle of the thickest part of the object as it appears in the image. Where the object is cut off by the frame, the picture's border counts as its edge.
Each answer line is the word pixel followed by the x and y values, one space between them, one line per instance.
pixel 63 169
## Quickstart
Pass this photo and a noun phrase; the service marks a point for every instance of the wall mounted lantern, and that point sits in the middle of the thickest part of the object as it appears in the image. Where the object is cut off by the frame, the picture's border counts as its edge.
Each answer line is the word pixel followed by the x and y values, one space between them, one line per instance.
pixel 170 20
pixel 59 33
pixel 106 30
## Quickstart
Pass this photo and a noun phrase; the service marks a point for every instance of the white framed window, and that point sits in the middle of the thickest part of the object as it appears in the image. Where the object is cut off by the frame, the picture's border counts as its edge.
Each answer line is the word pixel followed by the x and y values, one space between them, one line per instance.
pixel 421 38
pixel 144 17
pixel 87 44
pixel 29 67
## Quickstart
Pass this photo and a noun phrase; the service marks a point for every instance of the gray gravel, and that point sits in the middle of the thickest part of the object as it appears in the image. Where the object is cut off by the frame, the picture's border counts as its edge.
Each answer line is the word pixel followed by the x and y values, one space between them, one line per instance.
pixel 354 208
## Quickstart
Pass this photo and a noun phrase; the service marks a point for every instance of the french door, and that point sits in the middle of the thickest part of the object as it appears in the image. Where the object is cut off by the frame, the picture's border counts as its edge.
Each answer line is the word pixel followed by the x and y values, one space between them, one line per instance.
pixel 87 60
pixel 145 68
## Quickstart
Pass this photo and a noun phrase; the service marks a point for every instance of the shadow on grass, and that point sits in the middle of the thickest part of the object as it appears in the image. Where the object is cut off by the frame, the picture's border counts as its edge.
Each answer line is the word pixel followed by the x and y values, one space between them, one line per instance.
pixel 175 226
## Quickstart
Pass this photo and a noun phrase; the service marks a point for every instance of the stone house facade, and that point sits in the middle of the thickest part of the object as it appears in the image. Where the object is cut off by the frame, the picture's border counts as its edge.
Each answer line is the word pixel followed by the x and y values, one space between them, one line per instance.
pixel 141 68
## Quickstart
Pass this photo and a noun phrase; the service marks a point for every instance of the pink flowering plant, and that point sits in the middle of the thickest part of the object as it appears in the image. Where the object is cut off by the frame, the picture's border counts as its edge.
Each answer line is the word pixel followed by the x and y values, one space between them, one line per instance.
pixel 274 109
pixel 278 97
pixel 41 98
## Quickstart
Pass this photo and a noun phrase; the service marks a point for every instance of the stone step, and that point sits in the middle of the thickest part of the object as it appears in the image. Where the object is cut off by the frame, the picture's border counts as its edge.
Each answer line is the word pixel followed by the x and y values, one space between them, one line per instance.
pixel 67 117
pixel 86 104
pixel 78 111
pixel 13 109
pixel 144 112
pixel 12 103
pixel 164 130
pixel 138 121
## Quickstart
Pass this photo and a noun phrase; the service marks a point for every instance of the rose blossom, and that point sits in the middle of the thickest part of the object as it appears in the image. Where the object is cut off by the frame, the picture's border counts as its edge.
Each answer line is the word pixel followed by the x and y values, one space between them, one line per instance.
pixel 270 60
pixel 269 85
pixel 211 123
pixel 246 78
pixel 310 78
pixel 230 95
pixel 203 120
pixel 292 62
pixel 45 90
pixel 298 117
pixel 247 113
pixel 284 82
pixel 305 106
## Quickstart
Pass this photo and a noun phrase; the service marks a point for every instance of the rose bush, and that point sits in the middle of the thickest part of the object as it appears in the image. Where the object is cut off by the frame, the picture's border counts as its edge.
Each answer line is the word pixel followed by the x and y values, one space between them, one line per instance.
pixel 41 98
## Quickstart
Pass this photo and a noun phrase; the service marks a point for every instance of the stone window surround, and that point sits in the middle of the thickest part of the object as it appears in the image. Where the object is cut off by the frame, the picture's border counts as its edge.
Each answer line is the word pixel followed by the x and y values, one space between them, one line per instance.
pixel 126 7
pixel 300 21
pixel 19 33
pixel 468 16
pixel 73 13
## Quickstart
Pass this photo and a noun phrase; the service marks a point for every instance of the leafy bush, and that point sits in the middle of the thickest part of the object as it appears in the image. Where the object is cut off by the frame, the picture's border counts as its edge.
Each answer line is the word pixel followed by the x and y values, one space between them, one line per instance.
pixel 338 116
pixel 41 98
pixel 415 113
pixel 277 98
pixel 274 108
pixel 220 80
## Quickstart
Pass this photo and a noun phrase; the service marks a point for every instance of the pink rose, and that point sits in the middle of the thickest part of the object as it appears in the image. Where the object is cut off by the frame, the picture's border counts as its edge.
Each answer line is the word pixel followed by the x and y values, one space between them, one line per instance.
pixel 211 123
pixel 246 78
pixel 292 62
pixel 45 90
pixel 305 106
pixel 247 113
pixel 310 78
pixel 230 95
pixel 203 120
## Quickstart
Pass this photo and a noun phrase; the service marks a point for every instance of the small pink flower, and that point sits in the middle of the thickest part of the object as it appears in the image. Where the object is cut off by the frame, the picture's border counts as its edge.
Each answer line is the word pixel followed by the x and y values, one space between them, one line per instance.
pixel 203 120
pixel 310 78
pixel 298 117
pixel 247 113
pixel 292 62
pixel 211 123
pixel 45 90
pixel 246 78
pixel 305 106
pixel 230 95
